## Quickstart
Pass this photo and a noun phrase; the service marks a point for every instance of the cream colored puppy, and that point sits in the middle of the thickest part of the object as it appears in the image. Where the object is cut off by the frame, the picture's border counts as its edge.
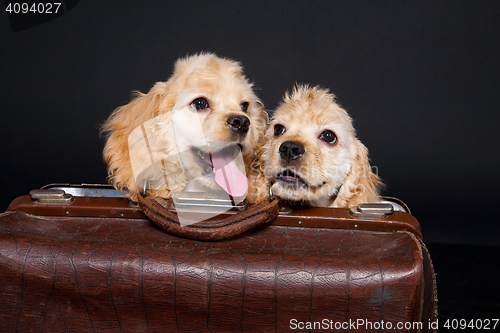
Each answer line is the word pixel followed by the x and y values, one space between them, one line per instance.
pixel 200 129
pixel 312 155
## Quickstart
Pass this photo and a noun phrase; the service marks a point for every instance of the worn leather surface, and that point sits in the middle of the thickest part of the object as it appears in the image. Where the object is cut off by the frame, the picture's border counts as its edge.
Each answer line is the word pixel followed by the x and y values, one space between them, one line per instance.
pixel 126 275
pixel 429 301
pixel 313 217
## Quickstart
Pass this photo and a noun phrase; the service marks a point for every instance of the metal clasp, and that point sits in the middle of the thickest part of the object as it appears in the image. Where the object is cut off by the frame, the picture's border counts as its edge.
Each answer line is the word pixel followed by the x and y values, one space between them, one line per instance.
pixel 372 210
pixel 51 196
pixel 215 200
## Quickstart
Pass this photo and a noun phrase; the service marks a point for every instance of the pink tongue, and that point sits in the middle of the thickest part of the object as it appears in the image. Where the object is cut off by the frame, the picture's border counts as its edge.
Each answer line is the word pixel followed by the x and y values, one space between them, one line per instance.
pixel 227 174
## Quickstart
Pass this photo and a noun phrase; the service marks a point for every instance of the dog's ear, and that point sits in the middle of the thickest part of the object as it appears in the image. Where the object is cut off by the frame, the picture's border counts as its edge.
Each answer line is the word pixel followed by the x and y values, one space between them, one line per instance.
pixel 121 123
pixel 257 183
pixel 361 184
pixel 260 125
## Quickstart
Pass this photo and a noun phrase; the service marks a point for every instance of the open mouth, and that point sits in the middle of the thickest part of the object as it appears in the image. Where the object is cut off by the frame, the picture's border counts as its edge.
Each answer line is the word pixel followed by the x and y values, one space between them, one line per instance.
pixel 292 179
pixel 222 163
pixel 289 177
pixel 205 159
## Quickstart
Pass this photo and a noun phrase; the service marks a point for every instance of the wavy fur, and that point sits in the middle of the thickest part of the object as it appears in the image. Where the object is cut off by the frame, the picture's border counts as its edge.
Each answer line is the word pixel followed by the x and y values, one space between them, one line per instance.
pixel 222 82
pixel 335 174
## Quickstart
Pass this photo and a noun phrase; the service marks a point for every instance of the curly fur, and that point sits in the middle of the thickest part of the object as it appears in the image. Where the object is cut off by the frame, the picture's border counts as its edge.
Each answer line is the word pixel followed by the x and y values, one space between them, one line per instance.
pixel 222 82
pixel 329 175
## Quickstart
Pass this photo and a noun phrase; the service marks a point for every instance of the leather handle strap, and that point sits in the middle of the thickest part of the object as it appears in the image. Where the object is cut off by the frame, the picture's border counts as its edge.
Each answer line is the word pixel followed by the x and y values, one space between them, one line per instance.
pixel 262 212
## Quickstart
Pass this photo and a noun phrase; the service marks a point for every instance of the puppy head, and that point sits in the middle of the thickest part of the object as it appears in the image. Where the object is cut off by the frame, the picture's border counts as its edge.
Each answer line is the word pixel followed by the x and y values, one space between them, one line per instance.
pixel 217 93
pixel 207 100
pixel 215 110
pixel 312 154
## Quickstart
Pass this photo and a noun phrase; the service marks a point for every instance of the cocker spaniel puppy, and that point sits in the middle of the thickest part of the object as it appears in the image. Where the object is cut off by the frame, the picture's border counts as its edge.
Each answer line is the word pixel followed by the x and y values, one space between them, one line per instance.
pixel 312 155
pixel 200 130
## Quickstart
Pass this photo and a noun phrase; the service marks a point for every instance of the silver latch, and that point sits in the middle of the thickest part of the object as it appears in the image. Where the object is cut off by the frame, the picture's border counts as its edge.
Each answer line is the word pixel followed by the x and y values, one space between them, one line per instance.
pixel 51 196
pixel 199 201
pixel 373 210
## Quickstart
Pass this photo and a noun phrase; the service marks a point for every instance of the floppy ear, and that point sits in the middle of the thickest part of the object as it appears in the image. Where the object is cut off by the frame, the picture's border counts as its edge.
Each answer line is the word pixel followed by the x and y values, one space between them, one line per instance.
pixel 258 188
pixel 258 125
pixel 121 123
pixel 361 184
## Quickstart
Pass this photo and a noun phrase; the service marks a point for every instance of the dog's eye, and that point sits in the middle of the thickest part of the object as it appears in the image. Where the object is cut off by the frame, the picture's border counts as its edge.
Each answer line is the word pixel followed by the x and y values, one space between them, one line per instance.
pixel 244 106
pixel 200 103
pixel 328 136
pixel 279 129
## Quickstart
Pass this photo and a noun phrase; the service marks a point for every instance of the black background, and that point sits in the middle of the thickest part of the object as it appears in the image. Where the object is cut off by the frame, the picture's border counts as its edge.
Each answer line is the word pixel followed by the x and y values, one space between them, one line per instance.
pixel 420 78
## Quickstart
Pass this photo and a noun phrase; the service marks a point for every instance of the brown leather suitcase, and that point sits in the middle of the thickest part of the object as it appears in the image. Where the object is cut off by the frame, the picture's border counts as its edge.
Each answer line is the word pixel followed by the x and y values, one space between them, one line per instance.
pixel 91 262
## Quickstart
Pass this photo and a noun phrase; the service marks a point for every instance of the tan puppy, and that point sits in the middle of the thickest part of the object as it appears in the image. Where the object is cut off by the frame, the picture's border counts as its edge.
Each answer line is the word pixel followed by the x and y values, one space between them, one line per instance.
pixel 183 132
pixel 312 155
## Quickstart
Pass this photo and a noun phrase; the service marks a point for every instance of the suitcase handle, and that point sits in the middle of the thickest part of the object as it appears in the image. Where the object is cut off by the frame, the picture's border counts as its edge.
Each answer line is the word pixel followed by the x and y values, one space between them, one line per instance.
pixel 256 215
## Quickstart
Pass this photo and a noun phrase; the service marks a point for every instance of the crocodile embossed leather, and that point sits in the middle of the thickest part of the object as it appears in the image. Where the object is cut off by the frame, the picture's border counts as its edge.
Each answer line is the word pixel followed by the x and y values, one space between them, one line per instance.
pixel 68 271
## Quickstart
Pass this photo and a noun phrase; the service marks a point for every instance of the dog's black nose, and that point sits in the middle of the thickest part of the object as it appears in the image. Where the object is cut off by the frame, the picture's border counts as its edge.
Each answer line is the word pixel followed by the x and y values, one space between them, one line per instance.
pixel 291 150
pixel 239 124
